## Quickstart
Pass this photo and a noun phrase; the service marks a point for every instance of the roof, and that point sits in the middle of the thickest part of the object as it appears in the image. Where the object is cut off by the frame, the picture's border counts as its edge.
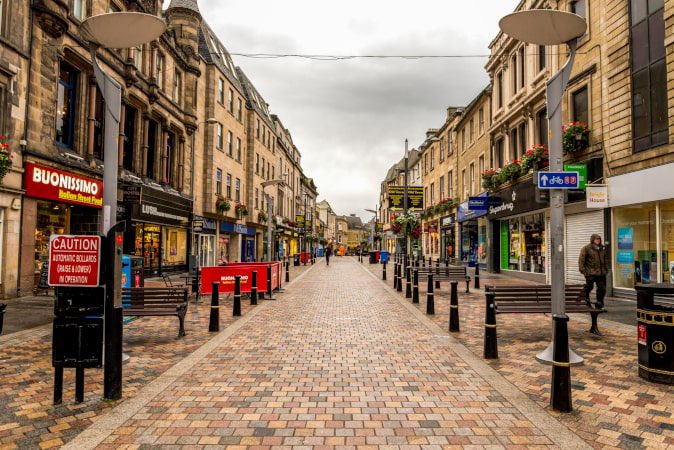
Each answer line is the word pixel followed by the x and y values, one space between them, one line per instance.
pixel 187 4
pixel 253 98
pixel 213 52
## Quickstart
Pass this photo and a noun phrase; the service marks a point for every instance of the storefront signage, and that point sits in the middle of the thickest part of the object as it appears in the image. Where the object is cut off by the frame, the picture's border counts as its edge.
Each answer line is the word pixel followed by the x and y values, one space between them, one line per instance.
pixel 625 257
pixel 447 222
pixel 558 180
pixel 464 212
pixel 477 203
pixel 162 208
pixel 415 198
pixel 201 224
pixel 74 260
pixel 228 227
pixel 625 238
pixel 53 184
pixel 582 173
pixel 515 200
pixel 597 196
pixel 132 194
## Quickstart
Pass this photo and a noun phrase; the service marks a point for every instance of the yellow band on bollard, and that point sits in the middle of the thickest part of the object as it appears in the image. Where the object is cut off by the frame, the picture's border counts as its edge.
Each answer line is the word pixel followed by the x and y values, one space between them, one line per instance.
pixel 561 364
pixel 486 325
pixel 454 306
pixel 416 286
pixel 214 307
pixel 430 294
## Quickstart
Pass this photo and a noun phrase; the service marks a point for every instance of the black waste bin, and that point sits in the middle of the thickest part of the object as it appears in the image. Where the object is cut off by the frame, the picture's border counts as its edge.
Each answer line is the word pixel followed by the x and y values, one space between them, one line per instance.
pixel 296 259
pixel 655 318
pixel 373 257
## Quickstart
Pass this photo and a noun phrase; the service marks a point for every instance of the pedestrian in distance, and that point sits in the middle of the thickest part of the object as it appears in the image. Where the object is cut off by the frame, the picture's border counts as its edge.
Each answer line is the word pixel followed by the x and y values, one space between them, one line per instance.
pixel 328 253
pixel 592 264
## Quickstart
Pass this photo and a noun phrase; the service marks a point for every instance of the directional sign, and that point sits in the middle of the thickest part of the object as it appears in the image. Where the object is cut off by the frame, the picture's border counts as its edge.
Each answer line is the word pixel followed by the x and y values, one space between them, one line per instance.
pixel 558 180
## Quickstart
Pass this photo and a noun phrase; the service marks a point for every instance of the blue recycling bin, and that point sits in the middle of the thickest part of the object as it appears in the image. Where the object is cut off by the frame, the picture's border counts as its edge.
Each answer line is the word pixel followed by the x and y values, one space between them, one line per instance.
pixel 383 257
pixel 132 271
pixel 320 252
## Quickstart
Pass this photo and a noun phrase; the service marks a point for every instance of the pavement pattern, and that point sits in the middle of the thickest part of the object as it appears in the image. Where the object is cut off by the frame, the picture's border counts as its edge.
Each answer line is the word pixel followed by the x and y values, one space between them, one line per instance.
pixel 613 406
pixel 338 361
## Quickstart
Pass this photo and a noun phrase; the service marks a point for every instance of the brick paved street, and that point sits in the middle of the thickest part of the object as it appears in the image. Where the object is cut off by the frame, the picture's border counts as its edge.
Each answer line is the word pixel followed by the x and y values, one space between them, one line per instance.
pixel 339 360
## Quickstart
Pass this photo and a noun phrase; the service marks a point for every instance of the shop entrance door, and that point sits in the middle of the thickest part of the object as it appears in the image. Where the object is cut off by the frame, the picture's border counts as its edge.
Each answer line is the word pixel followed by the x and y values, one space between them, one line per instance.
pixel 151 253
pixel 249 249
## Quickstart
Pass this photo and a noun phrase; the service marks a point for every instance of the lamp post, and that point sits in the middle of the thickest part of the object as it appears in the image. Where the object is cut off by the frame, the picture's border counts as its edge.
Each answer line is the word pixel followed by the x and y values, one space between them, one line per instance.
pixel 374 227
pixel 270 211
pixel 114 30
pixel 552 27
pixel 304 227
pixel 405 204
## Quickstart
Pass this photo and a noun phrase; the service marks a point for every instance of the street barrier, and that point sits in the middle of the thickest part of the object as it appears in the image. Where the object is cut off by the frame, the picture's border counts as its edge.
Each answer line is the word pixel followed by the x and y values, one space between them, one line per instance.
pixel 225 276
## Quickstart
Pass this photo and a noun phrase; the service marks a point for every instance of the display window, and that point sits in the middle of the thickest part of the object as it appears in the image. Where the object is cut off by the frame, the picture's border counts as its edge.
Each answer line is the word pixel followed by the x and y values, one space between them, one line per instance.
pixel 667 233
pixel 52 218
pixel 223 249
pixel 174 250
pixel 206 249
pixel 482 248
pixel 147 245
pixel 524 248
pixel 635 238
pixel 469 241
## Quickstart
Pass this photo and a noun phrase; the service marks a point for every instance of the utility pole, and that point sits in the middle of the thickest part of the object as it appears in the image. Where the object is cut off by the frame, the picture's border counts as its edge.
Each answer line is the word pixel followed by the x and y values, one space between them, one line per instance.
pixel 405 205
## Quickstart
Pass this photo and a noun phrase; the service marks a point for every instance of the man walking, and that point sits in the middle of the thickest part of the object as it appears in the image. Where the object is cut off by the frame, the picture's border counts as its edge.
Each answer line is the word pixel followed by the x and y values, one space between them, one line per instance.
pixel 592 264
pixel 328 252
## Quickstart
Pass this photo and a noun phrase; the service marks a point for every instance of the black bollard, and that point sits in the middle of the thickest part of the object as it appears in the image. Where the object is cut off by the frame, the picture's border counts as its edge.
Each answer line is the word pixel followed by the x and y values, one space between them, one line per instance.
pixel 454 307
pixel 214 321
pixel 236 308
pixel 423 262
pixel 415 287
pixel 287 271
pixel 399 286
pixel 430 296
pixel 269 286
pixel 253 289
pixel 477 276
pixel 395 274
pixel 490 350
pixel 560 395
pixel 437 272
pixel 383 271
pixel 408 283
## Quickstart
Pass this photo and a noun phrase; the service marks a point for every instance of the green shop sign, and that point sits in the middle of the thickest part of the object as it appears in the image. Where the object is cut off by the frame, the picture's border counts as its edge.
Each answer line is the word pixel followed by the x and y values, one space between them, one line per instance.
pixel 582 173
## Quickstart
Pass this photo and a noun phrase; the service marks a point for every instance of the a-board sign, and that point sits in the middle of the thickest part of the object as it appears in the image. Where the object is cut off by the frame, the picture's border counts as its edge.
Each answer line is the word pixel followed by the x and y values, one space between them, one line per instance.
pixel 74 260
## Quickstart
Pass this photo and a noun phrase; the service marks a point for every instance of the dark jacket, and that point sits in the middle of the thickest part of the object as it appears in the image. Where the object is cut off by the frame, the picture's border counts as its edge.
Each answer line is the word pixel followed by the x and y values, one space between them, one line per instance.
pixel 592 262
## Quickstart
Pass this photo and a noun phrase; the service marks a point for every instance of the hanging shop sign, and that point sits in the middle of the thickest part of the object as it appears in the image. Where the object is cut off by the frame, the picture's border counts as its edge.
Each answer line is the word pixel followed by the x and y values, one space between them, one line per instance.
pixel 74 261
pixel 597 196
pixel 415 198
pixel 132 194
pixel 447 222
pixel 58 185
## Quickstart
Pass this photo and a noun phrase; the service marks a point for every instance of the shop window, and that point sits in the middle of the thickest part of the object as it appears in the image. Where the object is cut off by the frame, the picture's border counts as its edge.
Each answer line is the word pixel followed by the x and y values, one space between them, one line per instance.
pixel 649 74
pixel 230 144
pixel 635 237
pixel 667 233
pixel 229 186
pixel 238 149
pixel 237 190
pixel 579 100
pixel 525 244
pixel 52 218
pixel 218 181
pixel 174 250
pixel 221 91
pixel 130 117
pixel 65 104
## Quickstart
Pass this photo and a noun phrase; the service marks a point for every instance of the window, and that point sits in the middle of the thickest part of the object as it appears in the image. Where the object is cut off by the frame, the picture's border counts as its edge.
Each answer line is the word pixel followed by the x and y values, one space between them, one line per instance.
pixel 472 178
pixel 230 148
pixel 229 186
pixel 3 16
pixel 513 74
pixel 514 145
pixel 263 163
pixel 114 8
pixel 499 86
pixel 221 91
pixel 542 59
pixel 257 163
pixel 239 107
pixel 432 193
pixel 177 87
pixel 170 159
pixel 257 129
pixel 129 137
pixel 432 157
pixel 500 156
pixel 579 7
pixel 257 198
pixel 152 145
pixel 65 105
pixel 79 9
pixel 450 185
pixel 425 164
pixel 480 121
pixel 523 139
pixel 237 190
pixel 159 71
pixel 579 102
pixel 471 128
pixel 268 171
pixel 480 164
pixel 138 58
pixel 463 139
pixel 649 74
pixel 219 138
pixel 542 122
pixel 426 196
pixel 463 183
pixel 218 182
pixel 442 150
pixel 230 101
pixel 523 71
pixel 442 187
pixel 238 149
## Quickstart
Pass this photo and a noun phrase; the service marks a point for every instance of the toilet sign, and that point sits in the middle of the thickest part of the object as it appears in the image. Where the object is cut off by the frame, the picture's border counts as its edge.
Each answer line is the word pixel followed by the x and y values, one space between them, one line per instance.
pixel 74 261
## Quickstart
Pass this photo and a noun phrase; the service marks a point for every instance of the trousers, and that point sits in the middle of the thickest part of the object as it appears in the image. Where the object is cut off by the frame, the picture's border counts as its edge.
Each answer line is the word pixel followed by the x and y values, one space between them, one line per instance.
pixel 600 281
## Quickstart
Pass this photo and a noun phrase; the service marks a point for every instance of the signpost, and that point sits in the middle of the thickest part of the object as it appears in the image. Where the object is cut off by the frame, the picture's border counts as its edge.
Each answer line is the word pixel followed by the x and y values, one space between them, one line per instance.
pixel 415 198
pixel 558 180
pixel 582 173
pixel 74 261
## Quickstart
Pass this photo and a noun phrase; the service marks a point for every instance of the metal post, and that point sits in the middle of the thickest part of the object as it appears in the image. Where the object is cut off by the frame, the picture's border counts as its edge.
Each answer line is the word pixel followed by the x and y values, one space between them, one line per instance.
pixel 405 204
pixel 253 289
pixel 490 349
pixel 560 395
pixel 399 286
pixel 269 285
pixel 79 384
pixel 415 287
pixel 395 273
pixel 430 296
pixel 287 271
pixel 408 283
pixel 383 273
pixel 236 308
pixel 58 385
pixel 214 320
pixel 437 272
pixel 454 307
pixel 477 276
pixel 270 211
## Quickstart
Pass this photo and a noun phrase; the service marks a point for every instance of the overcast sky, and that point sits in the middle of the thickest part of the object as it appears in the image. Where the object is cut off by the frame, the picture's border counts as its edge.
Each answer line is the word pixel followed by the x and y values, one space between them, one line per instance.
pixel 350 118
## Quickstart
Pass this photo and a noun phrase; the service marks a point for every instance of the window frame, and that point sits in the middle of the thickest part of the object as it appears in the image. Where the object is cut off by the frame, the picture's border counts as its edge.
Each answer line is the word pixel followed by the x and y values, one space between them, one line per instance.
pixel 82 9
pixel 221 91
pixel 237 190
pixel 228 185
pixel 219 136
pixel 230 101
pixel 572 101
pixel 160 67
pixel 230 144
pixel 177 87
pixel 218 181
pixel 72 85
pixel 238 149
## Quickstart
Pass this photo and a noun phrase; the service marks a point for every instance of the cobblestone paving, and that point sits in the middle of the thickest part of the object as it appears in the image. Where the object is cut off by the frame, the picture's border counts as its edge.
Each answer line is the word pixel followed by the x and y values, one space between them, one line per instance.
pixel 336 362
pixel 613 407
pixel 28 419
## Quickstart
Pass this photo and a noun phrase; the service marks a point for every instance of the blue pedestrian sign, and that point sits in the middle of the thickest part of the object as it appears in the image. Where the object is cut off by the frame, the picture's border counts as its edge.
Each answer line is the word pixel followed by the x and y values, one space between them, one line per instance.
pixel 558 180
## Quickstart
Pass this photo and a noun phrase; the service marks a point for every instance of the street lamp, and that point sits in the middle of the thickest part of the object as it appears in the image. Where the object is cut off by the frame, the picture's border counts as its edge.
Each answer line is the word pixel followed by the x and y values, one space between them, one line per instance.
pixel 114 30
pixel 270 211
pixel 374 226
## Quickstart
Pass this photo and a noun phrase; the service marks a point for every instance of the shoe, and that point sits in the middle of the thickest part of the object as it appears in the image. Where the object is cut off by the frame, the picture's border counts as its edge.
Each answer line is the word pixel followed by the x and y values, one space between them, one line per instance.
pixel 599 305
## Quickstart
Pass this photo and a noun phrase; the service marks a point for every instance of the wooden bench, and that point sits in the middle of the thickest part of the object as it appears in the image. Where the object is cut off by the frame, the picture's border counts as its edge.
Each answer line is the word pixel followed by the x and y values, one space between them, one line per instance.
pixel 538 299
pixel 155 301
pixel 448 273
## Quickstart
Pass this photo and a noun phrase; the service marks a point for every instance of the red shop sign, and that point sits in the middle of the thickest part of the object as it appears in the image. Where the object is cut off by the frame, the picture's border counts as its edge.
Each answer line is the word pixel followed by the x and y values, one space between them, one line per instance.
pixel 53 184
pixel 74 260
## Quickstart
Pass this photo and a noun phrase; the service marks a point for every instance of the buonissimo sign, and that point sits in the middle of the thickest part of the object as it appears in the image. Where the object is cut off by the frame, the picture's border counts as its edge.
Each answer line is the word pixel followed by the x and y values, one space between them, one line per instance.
pixel 53 184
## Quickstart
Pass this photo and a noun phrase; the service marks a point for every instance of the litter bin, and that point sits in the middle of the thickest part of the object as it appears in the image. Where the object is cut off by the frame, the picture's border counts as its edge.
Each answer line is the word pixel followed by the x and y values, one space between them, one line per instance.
pixel 373 257
pixel 296 259
pixel 320 252
pixel 383 257
pixel 655 318
pixel 132 271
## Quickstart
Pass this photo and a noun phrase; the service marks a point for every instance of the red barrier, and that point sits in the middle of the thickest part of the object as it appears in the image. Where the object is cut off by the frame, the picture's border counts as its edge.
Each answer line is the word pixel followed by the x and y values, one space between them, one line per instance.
pixel 225 276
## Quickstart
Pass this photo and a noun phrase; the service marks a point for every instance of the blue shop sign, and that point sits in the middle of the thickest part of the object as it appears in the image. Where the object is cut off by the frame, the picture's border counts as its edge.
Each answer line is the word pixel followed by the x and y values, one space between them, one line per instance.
pixel 477 203
pixel 228 227
pixel 204 224
pixel 465 213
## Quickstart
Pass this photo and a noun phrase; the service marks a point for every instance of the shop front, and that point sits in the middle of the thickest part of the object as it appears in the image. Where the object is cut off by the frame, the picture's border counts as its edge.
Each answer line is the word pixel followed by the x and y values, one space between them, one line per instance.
pixel 158 229
pixel 642 228
pixel 447 237
pixel 55 202
pixel 205 239
pixel 431 239
pixel 472 234
pixel 236 242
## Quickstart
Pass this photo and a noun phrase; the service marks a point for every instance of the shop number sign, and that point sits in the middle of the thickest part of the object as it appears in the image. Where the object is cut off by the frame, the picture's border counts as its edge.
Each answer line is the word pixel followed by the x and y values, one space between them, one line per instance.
pixel 74 260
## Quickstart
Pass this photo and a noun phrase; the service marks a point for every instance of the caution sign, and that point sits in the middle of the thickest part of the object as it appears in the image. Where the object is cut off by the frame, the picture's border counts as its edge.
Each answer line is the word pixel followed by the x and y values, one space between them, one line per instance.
pixel 74 260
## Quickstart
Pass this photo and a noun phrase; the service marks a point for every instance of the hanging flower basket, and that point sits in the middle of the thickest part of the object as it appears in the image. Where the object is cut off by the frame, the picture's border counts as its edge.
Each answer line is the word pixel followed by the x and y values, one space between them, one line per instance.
pixel 416 231
pixel 6 157
pixel 241 210
pixel 535 158
pixel 262 217
pixel 575 137
pixel 491 179
pixel 222 204
pixel 396 228
pixel 510 172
